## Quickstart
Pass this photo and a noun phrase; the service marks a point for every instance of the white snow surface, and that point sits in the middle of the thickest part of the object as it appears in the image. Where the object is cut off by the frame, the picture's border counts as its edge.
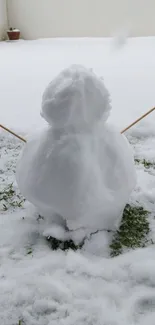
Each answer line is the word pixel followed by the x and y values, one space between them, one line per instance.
pixel 80 167
pixel 42 287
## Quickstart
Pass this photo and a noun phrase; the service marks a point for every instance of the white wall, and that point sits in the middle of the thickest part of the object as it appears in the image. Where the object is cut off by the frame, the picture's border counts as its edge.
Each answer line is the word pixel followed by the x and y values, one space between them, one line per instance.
pixel 81 18
pixel 3 19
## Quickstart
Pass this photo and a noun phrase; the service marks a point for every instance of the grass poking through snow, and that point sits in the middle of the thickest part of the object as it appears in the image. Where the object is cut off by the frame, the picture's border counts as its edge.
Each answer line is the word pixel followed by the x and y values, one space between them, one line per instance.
pixel 147 164
pixel 63 245
pixel 132 233
pixel 9 198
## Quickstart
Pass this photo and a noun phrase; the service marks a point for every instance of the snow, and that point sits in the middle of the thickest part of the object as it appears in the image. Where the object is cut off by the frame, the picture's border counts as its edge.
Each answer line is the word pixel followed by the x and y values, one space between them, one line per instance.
pixel 13 30
pixel 42 287
pixel 75 99
pixel 79 167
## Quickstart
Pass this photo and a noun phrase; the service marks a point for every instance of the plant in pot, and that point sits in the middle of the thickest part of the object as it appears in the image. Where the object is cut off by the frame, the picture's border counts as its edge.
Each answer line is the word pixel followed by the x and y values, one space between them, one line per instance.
pixel 13 34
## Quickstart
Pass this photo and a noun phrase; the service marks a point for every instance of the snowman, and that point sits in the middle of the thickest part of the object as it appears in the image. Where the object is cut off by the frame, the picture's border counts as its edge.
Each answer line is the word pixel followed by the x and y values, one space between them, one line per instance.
pixel 79 171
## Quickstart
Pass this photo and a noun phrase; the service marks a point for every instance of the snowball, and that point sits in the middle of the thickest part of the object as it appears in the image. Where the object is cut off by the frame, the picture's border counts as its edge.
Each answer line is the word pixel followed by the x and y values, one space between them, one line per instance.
pixel 85 177
pixel 77 97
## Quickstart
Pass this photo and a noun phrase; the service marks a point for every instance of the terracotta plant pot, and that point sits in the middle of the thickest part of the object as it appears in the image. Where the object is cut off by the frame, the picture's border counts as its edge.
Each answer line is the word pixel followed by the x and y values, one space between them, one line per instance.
pixel 13 34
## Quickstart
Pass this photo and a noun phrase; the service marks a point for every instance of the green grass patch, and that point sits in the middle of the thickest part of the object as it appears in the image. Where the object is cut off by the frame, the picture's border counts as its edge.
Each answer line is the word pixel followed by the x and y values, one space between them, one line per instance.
pixel 133 230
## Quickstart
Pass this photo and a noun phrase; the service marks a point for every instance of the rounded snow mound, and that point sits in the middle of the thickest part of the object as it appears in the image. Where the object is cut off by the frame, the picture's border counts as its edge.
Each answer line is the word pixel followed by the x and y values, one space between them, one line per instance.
pixel 76 98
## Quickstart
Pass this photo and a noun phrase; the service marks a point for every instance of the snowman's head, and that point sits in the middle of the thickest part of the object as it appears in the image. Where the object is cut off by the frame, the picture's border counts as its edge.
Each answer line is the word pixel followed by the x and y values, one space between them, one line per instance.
pixel 76 98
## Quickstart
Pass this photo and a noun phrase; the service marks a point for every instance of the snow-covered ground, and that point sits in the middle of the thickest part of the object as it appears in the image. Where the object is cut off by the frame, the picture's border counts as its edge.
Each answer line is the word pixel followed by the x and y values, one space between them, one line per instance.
pixel 39 286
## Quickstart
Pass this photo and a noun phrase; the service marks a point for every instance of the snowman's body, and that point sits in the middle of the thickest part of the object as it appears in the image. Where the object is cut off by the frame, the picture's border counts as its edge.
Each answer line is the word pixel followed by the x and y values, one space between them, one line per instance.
pixel 79 167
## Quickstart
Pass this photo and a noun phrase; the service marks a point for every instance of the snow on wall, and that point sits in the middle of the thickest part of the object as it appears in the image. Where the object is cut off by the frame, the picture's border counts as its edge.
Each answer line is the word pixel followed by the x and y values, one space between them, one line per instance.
pixel 3 19
pixel 82 18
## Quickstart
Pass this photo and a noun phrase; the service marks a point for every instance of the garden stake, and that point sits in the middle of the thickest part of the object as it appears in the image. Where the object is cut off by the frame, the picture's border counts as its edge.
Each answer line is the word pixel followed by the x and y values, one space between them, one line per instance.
pixel 16 135
pixel 139 119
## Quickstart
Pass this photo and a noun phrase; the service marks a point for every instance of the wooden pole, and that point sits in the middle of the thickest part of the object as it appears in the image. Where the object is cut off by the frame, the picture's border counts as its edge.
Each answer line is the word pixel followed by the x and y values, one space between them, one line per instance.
pixel 124 130
pixel 139 119
pixel 15 134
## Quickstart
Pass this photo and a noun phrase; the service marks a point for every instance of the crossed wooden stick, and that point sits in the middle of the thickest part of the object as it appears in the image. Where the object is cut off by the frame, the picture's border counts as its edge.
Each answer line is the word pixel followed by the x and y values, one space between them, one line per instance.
pixel 124 130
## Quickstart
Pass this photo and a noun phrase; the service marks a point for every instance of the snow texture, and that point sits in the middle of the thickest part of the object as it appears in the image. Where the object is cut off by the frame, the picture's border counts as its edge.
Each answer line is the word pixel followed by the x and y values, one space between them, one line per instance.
pixel 77 98
pixel 79 168
pixel 42 287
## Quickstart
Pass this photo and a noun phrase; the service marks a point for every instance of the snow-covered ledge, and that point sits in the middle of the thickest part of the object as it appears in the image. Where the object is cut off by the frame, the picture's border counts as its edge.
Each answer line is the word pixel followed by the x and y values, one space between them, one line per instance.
pixel 3 19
